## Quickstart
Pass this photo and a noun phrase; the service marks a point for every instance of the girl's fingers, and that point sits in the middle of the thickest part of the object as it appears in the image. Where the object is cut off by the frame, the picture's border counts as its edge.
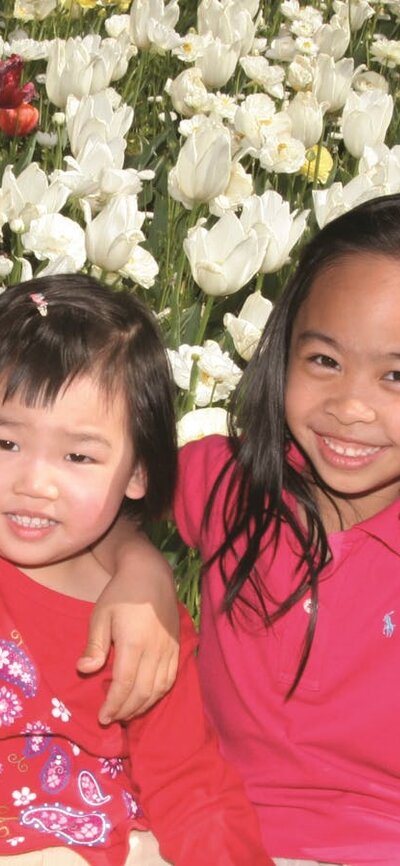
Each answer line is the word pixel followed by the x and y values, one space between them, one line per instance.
pixel 98 643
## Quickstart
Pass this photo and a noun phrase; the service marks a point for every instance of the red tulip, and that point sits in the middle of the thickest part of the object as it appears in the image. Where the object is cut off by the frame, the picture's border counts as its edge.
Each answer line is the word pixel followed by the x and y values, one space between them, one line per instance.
pixel 19 121
pixel 11 94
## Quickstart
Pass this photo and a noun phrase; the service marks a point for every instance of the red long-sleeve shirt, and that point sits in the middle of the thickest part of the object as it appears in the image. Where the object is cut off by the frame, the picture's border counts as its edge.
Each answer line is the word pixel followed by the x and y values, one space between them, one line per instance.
pixel 64 779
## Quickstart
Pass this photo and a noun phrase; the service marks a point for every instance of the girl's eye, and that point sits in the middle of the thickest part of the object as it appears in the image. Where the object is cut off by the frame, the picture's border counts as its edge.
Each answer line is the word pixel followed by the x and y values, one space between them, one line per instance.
pixel 8 445
pixel 392 376
pixel 79 458
pixel 324 361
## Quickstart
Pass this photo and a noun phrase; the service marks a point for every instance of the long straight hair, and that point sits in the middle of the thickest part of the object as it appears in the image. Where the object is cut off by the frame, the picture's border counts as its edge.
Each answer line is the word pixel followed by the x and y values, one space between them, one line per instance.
pixel 259 471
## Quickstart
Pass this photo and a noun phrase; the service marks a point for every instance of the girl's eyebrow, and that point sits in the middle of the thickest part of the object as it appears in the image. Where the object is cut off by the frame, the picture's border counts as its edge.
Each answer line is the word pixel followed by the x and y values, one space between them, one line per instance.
pixel 306 336
pixel 88 437
pixel 84 437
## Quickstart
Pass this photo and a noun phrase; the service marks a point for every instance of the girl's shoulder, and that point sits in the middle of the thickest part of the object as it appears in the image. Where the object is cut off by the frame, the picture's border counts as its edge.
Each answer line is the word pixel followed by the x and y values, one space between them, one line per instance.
pixel 200 464
pixel 214 449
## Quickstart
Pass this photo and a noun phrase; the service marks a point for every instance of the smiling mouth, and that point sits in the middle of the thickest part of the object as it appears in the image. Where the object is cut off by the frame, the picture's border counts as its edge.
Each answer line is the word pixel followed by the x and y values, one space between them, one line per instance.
pixel 350 450
pixel 31 522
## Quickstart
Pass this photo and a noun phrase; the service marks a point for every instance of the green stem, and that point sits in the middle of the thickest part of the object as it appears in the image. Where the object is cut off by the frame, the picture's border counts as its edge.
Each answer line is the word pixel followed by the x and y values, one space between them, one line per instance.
pixel 204 320
pixel 318 157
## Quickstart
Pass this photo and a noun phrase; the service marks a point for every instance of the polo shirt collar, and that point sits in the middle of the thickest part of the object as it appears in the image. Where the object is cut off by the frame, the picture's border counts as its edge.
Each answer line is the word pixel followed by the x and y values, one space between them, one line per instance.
pixel 385 526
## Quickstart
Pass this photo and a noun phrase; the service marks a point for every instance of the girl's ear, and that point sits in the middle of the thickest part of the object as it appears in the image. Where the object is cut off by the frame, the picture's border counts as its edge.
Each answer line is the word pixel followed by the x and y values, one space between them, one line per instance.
pixel 137 484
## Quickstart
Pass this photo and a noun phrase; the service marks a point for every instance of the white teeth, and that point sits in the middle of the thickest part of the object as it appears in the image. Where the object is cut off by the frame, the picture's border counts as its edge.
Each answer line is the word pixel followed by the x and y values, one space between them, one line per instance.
pixel 350 451
pixel 31 522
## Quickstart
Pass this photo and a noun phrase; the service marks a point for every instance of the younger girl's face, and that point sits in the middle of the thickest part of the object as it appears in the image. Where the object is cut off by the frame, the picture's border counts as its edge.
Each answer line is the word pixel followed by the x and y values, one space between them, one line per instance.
pixel 343 380
pixel 64 470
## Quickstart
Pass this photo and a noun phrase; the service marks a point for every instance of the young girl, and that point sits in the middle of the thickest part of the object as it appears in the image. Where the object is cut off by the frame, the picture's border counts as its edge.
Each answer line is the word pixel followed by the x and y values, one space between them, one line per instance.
pixel 86 427
pixel 298 522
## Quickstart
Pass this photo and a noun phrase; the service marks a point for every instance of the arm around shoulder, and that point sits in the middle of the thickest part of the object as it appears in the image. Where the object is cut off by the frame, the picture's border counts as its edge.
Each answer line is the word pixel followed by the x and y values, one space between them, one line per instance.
pixel 137 612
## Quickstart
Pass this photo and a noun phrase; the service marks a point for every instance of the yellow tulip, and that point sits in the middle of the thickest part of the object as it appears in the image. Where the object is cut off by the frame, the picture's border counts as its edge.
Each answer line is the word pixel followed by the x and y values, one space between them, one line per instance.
pixel 325 164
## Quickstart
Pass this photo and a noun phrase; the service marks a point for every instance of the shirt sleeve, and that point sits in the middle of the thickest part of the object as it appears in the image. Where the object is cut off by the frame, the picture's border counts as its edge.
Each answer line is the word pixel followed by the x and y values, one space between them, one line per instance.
pixel 199 465
pixel 194 801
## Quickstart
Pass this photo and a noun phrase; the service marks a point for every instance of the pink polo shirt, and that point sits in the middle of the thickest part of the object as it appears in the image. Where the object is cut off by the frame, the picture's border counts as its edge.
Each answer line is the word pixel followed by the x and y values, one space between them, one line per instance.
pixel 323 768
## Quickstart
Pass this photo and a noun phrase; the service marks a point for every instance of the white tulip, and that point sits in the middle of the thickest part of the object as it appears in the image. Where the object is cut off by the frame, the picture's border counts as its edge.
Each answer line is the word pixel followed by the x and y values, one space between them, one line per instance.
pixel 188 92
pixel 28 49
pixel 189 47
pixel 229 22
pixel 224 258
pixel 152 23
pixel 306 46
pixel 6 266
pixel 365 120
pixel 367 80
pixel 282 154
pixel 112 235
pixel 239 188
pixel 382 166
pixel 202 422
pixel 270 78
pixel 334 38
pixel 246 328
pixel 218 62
pixel 93 176
pixel 102 116
pixel 252 6
pixel 386 51
pixel 190 125
pixel 358 11
pixel 81 66
pixel 307 116
pixel 117 24
pixel 29 195
pixel 306 22
pixel 141 267
pixel 338 199
pixel 203 167
pixel 254 118
pixel 61 264
pixel 223 105
pixel 282 48
pixel 332 81
pixel 31 10
pixel 300 74
pixel 54 236
pixel 290 9
pixel 218 375
pixel 26 269
pixel 281 228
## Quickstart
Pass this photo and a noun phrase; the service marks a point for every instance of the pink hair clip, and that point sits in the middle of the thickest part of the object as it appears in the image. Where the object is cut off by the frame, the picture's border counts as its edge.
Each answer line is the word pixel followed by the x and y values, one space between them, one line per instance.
pixel 40 302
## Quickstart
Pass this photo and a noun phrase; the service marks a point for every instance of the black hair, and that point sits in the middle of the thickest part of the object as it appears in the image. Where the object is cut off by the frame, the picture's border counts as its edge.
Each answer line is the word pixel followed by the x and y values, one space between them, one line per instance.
pixel 110 335
pixel 254 507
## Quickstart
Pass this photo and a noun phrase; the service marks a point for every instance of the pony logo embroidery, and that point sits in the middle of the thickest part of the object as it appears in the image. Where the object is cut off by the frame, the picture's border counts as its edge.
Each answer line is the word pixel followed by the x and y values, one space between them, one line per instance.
pixel 388 624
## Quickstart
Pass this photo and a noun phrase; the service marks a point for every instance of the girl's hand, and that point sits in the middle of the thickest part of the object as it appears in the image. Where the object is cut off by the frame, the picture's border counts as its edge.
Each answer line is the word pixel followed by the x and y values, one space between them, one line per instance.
pixel 138 613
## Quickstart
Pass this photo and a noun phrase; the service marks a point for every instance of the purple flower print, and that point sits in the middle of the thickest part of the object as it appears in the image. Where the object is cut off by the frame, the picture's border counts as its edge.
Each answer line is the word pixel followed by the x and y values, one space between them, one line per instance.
pixel 10 706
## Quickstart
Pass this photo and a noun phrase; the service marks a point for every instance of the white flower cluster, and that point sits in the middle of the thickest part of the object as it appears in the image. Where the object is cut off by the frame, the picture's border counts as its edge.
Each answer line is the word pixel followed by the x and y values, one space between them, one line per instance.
pixel 266 129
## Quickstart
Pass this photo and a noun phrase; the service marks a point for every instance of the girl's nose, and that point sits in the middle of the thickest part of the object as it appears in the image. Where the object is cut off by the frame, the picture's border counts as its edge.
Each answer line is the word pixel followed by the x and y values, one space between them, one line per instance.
pixel 36 481
pixel 351 410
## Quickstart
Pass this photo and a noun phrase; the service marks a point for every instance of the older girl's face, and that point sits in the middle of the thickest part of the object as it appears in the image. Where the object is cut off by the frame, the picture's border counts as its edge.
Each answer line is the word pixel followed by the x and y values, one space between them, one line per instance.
pixel 343 380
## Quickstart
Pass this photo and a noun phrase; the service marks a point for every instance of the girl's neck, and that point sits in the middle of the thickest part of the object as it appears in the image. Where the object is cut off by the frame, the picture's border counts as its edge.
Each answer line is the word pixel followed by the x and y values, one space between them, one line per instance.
pixel 80 577
pixel 340 513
